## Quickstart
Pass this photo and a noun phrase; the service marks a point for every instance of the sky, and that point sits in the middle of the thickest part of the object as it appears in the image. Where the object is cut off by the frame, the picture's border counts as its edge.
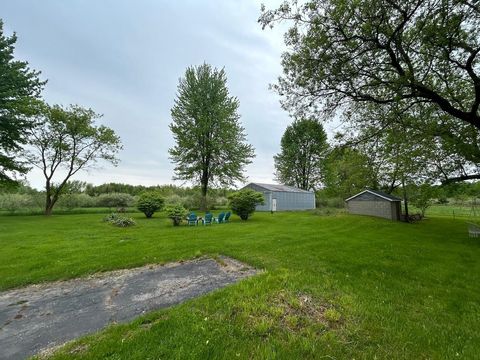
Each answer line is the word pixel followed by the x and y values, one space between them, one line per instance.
pixel 124 59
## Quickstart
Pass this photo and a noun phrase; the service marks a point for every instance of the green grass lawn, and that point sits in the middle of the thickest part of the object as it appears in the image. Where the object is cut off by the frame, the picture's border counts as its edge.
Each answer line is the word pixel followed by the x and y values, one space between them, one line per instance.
pixel 334 287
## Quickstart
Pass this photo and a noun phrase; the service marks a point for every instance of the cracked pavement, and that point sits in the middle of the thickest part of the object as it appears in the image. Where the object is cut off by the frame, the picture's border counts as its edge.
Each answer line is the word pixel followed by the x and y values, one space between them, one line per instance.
pixel 42 316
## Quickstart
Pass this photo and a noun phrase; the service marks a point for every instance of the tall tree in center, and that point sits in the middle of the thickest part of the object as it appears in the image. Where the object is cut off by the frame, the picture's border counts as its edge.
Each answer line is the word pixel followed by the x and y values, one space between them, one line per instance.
pixel 211 145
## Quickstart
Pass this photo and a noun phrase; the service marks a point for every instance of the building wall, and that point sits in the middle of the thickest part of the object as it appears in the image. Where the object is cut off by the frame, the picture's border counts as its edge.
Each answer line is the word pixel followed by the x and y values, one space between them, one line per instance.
pixel 285 200
pixel 294 200
pixel 267 197
pixel 375 207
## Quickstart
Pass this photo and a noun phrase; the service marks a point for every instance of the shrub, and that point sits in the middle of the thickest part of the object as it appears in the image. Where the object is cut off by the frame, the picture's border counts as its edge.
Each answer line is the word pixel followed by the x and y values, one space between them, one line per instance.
pixel 149 203
pixel 422 198
pixel 115 200
pixel 329 202
pixel 118 220
pixel 72 201
pixel 15 202
pixel 443 200
pixel 177 213
pixel 121 221
pixel 110 217
pixel 243 202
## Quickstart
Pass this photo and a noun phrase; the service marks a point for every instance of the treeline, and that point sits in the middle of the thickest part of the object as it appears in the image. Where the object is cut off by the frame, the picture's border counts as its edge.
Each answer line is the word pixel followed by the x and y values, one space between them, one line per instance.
pixel 78 194
pixel 134 190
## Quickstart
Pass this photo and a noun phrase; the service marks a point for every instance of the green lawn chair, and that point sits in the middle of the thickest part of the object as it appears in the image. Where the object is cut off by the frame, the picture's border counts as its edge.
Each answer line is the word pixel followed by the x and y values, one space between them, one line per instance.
pixel 220 218
pixel 192 219
pixel 227 216
pixel 208 219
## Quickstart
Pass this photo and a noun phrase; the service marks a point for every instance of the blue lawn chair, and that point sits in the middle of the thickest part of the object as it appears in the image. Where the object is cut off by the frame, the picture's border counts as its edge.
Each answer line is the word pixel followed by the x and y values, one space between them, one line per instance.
pixel 192 219
pixel 220 218
pixel 227 216
pixel 208 219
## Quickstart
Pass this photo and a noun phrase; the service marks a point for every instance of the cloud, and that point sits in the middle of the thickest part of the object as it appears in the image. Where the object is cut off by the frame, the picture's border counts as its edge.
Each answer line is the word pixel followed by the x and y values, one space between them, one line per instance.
pixel 124 59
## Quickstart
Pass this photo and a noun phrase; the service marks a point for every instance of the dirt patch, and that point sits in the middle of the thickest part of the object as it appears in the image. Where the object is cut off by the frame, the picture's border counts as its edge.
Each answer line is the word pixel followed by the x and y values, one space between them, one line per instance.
pixel 47 315
pixel 295 313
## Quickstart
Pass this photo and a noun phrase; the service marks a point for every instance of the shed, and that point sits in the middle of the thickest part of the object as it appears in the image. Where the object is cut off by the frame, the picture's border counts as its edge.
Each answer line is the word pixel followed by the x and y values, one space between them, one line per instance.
pixel 375 203
pixel 283 197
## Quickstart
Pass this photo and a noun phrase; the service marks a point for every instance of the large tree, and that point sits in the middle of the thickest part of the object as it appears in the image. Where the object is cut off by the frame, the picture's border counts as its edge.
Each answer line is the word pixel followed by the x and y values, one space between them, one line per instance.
pixel 383 52
pixel 348 171
pixel 65 142
pixel 420 142
pixel 20 89
pixel 302 157
pixel 211 145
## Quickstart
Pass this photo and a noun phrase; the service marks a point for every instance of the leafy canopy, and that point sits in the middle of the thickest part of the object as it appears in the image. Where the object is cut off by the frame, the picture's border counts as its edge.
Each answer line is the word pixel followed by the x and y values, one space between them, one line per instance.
pixel 302 158
pixel 20 89
pixel 68 139
pixel 210 144
pixel 381 51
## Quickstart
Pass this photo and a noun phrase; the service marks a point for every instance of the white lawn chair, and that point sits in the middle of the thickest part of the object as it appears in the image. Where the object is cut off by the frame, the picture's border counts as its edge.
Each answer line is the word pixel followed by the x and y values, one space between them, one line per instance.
pixel 473 230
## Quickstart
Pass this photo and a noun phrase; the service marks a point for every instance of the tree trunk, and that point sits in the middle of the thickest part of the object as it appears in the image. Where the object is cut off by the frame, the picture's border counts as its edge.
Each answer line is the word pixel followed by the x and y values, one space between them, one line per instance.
pixel 50 199
pixel 405 200
pixel 203 205
pixel 48 205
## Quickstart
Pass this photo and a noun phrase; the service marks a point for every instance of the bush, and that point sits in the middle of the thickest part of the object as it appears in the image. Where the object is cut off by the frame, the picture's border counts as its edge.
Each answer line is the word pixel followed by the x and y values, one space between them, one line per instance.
pixel 118 220
pixel 442 200
pixel 123 222
pixel 110 217
pixel 115 200
pixel 422 198
pixel 149 203
pixel 329 202
pixel 194 201
pixel 243 202
pixel 72 201
pixel 15 202
pixel 177 213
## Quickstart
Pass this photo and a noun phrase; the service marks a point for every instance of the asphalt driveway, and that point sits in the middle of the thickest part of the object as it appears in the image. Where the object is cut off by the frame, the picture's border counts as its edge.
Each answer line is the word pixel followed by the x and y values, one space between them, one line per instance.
pixel 39 317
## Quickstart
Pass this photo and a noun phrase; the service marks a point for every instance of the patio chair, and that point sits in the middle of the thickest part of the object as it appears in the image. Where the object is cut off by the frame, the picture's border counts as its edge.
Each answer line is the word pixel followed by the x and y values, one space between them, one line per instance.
pixel 473 230
pixel 220 218
pixel 192 219
pixel 227 216
pixel 208 219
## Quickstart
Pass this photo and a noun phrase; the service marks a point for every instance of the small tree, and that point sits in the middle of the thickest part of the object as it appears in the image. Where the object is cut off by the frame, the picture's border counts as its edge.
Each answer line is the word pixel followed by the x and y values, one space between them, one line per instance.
pixel 422 198
pixel 177 213
pixel 243 202
pixel 211 145
pixel 68 139
pixel 150 202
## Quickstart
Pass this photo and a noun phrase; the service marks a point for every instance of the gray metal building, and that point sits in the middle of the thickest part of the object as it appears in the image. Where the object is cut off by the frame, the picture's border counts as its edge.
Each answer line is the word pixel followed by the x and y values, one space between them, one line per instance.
pixel 282 197
pixel 375 203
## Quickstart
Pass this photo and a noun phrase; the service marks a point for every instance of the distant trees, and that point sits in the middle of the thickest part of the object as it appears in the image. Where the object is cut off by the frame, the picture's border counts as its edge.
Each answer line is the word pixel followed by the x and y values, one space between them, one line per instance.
pixel 65 142
pixel 20 89
pixel 301 160
pixel 211 145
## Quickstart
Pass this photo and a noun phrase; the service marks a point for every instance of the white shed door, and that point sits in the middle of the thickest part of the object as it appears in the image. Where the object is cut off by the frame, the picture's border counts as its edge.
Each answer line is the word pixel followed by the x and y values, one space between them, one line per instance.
pixel 274 204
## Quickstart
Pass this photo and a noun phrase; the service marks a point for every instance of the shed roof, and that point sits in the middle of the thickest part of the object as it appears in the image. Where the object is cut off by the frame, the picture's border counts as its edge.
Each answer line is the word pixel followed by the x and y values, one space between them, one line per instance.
pixel 280 188
pixel 378 193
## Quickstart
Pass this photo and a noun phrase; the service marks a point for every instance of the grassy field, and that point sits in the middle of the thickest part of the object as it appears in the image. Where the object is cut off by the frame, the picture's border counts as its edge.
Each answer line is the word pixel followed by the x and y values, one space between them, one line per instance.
pixel 334 287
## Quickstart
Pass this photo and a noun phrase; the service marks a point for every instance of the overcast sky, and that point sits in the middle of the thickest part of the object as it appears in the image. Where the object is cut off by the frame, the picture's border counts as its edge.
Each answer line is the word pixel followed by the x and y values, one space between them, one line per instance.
pixel 124 59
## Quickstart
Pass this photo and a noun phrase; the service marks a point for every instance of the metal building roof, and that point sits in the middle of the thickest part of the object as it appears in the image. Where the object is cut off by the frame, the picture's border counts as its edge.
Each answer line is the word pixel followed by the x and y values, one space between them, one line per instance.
pixel 378 193
pixel 280 188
